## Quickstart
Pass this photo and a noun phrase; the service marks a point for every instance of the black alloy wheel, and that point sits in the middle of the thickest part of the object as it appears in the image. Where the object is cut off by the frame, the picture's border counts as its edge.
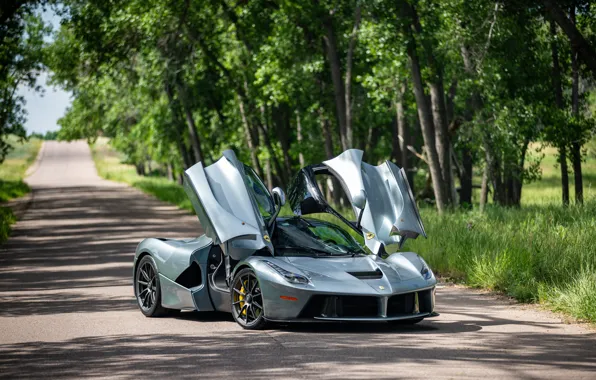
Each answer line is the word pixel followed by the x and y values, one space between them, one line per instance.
pixel 247 300
pixel 147 288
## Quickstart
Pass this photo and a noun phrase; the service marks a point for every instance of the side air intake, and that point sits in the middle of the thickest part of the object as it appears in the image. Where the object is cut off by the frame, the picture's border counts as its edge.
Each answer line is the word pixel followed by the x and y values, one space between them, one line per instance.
pixel 191 276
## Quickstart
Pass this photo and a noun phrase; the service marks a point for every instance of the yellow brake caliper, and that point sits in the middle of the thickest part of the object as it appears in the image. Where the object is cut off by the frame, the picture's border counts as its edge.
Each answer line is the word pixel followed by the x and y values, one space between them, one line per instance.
pixel 241 297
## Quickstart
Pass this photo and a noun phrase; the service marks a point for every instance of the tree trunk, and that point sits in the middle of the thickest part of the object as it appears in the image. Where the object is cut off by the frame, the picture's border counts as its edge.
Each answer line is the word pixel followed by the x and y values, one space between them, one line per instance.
pixel 281 117
pixel 583 48
pixel 559 103
pixel 190 122
pixel 465 193
pixel 576 155
pixel 437 96
pixel 140 168
pixel 403 134
pixel 170 171
pixel 185 154
pixel 395 146
pixel 450 104
pixel 484 189
pixel 348 79
pixel 299 138
pixel 425 116
pixel 268 174
pixel 338 84
pixel 178 129
pixel 515 179
pixel 428 133
pixel 564 174
pixel 272 156
pixel 333 192
pixel 250 140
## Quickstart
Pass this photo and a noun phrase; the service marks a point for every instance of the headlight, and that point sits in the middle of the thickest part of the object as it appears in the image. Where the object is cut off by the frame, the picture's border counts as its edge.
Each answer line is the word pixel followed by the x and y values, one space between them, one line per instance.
pixel 425 271
pixel 292 277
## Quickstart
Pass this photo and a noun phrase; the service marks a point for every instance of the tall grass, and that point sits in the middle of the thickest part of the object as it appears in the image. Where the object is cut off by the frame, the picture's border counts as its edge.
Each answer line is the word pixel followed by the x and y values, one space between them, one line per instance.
pixel 12 172
pixel 535 253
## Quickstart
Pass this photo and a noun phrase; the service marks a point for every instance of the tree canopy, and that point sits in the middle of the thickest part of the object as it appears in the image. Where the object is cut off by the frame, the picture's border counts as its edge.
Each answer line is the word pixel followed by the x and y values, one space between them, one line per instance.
pixel 444 89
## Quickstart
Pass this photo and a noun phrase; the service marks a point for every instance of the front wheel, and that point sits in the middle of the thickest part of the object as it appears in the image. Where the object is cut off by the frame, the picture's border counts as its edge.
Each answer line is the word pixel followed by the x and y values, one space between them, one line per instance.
pixel 247 300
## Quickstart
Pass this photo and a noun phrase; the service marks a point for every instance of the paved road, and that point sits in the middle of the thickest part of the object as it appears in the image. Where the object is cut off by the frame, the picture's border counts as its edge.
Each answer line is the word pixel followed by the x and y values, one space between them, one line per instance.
pixel 67 308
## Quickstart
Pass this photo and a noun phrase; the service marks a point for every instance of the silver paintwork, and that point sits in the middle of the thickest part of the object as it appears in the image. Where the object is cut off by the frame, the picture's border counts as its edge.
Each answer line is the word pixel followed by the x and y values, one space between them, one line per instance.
pixel 281 195
pixel 228 213
pixel 390 214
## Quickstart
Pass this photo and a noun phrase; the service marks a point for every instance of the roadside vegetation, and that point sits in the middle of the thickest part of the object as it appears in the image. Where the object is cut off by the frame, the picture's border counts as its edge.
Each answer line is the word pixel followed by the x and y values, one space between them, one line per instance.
pixel 111 165
pixel 12 172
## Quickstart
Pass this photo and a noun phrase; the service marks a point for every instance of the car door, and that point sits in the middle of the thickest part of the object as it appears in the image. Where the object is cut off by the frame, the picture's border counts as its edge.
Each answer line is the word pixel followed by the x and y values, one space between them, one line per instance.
pixel 389 213
pixel 231 202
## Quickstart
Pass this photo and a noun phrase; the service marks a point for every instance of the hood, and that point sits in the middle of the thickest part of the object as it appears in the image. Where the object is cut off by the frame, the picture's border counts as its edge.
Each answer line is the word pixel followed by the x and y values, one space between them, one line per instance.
pixel 356 274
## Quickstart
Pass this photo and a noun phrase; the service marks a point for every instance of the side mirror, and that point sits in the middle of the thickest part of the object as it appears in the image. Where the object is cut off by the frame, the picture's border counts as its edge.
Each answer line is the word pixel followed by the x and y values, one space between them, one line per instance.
pixel 279 197
pixel 359 201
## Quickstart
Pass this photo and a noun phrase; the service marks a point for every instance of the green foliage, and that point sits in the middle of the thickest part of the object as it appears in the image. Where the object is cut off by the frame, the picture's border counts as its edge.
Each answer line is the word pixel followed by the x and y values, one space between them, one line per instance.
pixel 49 135
pixel 12 171
pixel 7 218
pixel 21 60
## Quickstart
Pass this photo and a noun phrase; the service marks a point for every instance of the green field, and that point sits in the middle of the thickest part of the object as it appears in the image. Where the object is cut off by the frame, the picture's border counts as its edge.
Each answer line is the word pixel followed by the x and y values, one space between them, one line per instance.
pixel 12 172
pixel 541 253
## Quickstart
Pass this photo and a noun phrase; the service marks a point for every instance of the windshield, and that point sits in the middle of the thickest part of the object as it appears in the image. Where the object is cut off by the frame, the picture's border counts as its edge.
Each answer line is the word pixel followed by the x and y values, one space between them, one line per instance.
pixel 308 237
pixel 260 193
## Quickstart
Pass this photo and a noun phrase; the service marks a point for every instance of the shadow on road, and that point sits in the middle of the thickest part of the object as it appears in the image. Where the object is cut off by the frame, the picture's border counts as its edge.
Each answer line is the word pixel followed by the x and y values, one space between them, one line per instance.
pixel 85 237
pixel 231 355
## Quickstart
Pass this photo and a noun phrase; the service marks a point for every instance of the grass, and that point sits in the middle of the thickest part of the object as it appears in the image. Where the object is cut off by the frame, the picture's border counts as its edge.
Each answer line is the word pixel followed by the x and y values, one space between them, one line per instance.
pixel 534 254
pixel 541 252
pixel 12 172
pixel 548 189
pixel 109 166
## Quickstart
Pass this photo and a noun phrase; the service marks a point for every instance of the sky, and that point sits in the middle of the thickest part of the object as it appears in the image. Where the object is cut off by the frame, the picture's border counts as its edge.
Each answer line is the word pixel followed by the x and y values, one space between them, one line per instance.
pixel 45 108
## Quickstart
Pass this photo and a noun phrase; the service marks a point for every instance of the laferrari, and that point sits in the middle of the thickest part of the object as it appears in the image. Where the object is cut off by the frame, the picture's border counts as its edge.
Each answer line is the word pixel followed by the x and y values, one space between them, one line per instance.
pixel 263 267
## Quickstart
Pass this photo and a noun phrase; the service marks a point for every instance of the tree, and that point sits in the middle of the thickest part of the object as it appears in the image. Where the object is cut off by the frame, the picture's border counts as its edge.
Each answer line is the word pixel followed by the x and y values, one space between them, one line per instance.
pixel 21 61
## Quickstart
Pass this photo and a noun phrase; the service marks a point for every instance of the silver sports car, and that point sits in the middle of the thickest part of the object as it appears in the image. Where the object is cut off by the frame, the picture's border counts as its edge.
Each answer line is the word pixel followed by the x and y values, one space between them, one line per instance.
pixel 263 268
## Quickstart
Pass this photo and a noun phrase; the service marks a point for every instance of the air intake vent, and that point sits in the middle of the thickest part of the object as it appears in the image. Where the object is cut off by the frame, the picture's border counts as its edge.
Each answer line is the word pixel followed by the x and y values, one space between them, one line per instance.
pixel 341 307
pixel 191 276
pixel 370 275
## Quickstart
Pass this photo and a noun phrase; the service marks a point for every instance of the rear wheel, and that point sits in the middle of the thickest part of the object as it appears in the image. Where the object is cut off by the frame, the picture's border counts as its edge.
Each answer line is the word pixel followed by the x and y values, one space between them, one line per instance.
pixel 247 300
pixel 147 288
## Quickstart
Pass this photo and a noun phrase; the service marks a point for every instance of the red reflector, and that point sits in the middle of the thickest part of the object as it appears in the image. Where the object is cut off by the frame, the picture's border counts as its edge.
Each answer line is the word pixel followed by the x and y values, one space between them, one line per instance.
pixel 288 298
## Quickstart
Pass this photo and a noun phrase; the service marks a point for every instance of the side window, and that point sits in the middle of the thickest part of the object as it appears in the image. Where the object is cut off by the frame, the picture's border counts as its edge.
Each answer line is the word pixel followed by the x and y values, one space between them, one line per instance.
pixel 335 195
pixel 260 193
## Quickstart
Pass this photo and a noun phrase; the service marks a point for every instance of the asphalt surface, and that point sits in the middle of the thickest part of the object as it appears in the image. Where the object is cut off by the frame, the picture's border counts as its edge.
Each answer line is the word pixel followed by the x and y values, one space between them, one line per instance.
pixel 67 308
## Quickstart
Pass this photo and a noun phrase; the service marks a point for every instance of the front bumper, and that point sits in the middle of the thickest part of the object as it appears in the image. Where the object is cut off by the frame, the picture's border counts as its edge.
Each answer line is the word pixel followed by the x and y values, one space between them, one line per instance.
pixel 314 306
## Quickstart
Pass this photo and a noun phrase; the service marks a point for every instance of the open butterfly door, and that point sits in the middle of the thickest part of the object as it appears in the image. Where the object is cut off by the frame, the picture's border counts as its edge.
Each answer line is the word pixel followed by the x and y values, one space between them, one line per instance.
pixel 380 196
pixel 231 203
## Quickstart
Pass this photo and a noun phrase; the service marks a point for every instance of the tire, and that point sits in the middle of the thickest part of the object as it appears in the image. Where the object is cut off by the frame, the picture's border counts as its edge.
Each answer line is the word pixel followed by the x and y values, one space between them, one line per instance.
pixel 247 300
pixel 405 322
pixel 147 288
